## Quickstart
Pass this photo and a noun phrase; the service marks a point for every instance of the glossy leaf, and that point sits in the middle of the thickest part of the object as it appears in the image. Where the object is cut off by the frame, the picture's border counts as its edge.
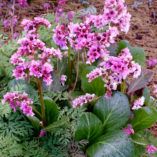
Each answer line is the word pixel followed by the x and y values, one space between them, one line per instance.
pixel 140 82
pixel 138 55
pixel 35 122
pixel 142 137
pixel 88 127
pixel 51 111
pixel 146 94
pixel 96 86
pixel 112 144
pixel 113 112
pixel 57 124
pixel 144 118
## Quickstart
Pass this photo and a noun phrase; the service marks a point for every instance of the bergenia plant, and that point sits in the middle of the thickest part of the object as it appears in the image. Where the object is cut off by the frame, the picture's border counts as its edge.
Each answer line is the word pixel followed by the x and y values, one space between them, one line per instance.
pixel 109 79
pixel 30 64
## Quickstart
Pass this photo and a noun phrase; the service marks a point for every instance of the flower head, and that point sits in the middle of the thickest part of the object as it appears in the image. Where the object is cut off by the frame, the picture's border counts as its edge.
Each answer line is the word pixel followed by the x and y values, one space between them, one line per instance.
pixel 83 100
pixel 138 103
pixel 129 130
pixel 47 5
pixel 151 149
pixel 19 100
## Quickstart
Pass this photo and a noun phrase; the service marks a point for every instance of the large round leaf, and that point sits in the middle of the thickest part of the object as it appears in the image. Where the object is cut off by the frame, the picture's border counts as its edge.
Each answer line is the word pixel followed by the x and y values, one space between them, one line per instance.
pixel 96 86
pixel 144 118
pixel 138 55
pixel 113 112
pixel 51 111
pixel 35 122
pixel 89 127
pixel 112 144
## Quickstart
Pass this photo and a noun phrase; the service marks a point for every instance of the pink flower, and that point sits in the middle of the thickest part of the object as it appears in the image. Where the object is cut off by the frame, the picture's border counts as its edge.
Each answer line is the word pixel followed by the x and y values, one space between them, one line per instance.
pixel 114 70
pixel 6 23
pixel 19 72
pixel 108 94
pixel 47 5
pixel 23 3
pixel 16 100
pixel 129 130
pixel 61 2
pixel 42 133
pixel 63 79
pixel 151 63
pixel 70 15
pixel 151 149
pixel 138 103
pixel 15 35
pixel 26 108
pixel 83 100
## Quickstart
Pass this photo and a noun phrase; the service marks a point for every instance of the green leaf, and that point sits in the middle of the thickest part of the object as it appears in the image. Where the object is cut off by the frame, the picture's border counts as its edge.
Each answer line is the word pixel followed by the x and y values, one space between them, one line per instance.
pixel 112 144
pixel 146 94
pixel 144 118
pixel 139 150
pixel 57 124
pixel 35 122
pixel 139 138
pixel 122 45
pixel 88 127
pixel 96 86
pixel 51 111
pixel 113 112
pixel 138 55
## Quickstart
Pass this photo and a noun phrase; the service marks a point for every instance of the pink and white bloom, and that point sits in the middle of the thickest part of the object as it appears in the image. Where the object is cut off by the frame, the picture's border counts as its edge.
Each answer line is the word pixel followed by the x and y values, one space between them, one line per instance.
pixel 83 100
pixel 113 70
pixel 151 149
pixel 138 103
pixel 63 79
pixel 19 100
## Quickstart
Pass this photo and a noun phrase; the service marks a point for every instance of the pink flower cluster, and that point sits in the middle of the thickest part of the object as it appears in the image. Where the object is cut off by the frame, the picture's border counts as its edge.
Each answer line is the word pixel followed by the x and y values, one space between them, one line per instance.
pixel 19 100
pixel 83 100
pixel 33 25
pixel 28 61
pixel 129 130
pixel 22 3
pixel 10 22
pixel 151 63
pixel 115 69
pixel 138 103
pixel 81 35
pixel 151 149
pixel 115 14
pixel 47 5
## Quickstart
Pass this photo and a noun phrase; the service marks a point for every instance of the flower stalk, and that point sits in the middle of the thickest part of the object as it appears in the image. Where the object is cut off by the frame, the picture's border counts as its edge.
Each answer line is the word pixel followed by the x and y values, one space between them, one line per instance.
pixel 39 83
